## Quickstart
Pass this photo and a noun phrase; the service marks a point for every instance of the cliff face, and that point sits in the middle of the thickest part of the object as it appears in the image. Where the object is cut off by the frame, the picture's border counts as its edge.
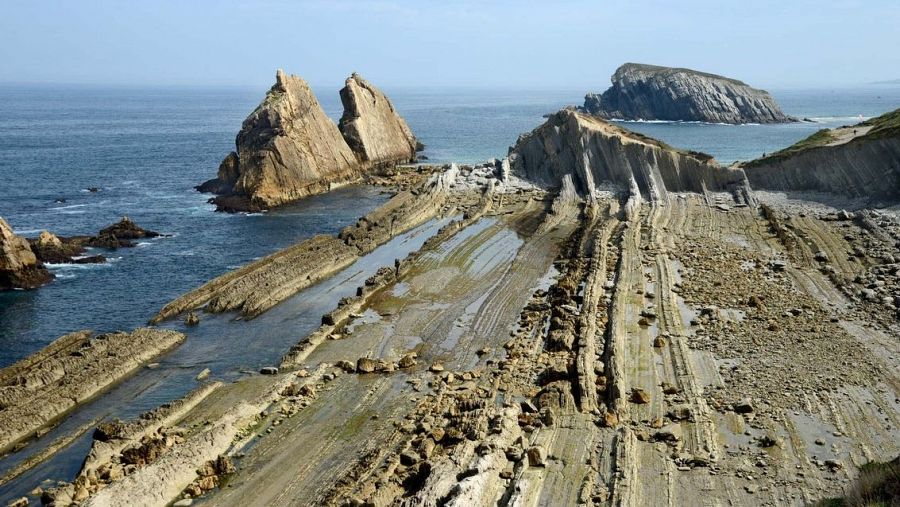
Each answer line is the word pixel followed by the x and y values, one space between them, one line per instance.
pixel 862 161
pixel 649 92
pixel 372 127
pixel 593 152
pixel 288 148
pixel 19 268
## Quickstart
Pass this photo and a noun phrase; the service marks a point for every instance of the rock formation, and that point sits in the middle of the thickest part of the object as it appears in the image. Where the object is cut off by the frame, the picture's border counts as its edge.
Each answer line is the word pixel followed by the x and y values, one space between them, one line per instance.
pixel 859 161
pixel 19 267
pixel 288 148
pixel 650 92
pixel 372 127
pixel 595 152
pixel 51 249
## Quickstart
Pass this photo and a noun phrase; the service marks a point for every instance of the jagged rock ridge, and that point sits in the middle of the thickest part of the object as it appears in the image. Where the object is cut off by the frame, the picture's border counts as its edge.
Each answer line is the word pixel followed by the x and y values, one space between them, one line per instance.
pixel 19 267
pixel 372 127
pixel 594 152
pixel 650 92
pixel 288 148
pixel 860 161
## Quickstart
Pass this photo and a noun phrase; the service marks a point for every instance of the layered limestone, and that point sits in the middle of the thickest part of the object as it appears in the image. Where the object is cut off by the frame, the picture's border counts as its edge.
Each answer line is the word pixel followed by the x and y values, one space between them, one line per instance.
pixel 650 92
pixel 596 153
pixel 288 148
pixel 372 127
pixel 861 161
pixel 19 267
pixel 42 387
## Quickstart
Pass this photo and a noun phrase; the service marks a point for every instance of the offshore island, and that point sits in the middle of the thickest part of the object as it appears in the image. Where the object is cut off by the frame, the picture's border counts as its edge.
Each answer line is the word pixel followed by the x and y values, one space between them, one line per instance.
pixel 597 318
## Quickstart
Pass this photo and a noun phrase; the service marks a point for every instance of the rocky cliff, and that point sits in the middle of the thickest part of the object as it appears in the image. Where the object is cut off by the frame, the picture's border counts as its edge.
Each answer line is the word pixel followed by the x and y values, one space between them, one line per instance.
pixel 19 268
pixel 288 148
pixel 595 152
pixel 861 161
pixel 372 127
pixel 650 92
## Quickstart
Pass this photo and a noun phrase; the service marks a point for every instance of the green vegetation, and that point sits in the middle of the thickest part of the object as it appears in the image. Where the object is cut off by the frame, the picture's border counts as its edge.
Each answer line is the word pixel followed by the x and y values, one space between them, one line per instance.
pixel 886 125
pixel 878 485
pixel 820 138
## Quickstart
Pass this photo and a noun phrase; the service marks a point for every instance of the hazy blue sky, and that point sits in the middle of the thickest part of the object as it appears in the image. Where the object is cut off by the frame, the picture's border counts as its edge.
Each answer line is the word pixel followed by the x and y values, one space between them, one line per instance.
pixel 572 44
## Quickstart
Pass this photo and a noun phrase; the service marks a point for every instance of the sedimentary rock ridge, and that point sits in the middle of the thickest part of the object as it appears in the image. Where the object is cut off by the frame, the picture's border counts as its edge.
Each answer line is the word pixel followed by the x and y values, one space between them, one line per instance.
pixel 288 148
pixel 372 127
pixel 650 92
pixel 75 367
pixel 595 152
pixel 858 161
pixel 19 268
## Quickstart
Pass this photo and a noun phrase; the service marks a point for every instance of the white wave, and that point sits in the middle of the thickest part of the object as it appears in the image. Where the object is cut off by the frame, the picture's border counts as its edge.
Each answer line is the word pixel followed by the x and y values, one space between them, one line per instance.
pixel 22 232
pixel 143 244
pixel 69 207
pixel 829 119
pixel 684 122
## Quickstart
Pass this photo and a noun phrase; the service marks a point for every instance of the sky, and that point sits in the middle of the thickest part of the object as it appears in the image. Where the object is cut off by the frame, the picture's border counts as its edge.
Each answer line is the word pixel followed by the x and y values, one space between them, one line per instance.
pixel 573 44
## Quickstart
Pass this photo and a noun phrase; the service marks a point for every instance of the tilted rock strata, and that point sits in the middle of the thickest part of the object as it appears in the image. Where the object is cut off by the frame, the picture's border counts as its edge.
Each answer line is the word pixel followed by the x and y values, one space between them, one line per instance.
pixel 649 92
pixel 595 152
pixel 259 286
pixel 858 161
pixel 288 148
pixel 19 267
pixel 372 127
pixel 42 387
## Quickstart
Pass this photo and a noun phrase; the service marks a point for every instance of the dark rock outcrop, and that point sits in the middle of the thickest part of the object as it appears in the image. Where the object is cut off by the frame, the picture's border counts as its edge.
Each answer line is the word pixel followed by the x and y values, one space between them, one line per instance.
pixel 860 161
pixel 52 249
pixel 372 127
pixel 288 148
pixel 650 92
pixel 19 267
pixel 594 152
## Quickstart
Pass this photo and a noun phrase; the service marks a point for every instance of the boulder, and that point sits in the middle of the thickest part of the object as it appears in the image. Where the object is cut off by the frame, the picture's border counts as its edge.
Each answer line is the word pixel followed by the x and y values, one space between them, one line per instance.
pixel 19 267
pixel 651 92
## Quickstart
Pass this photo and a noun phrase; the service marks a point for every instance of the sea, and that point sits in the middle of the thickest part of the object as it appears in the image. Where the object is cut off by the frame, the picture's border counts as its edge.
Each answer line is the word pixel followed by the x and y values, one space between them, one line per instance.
pixel 145 148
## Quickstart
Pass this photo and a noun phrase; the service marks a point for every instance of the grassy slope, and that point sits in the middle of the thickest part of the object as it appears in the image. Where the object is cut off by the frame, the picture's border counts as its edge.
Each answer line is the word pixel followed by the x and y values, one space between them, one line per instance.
pixel 886 125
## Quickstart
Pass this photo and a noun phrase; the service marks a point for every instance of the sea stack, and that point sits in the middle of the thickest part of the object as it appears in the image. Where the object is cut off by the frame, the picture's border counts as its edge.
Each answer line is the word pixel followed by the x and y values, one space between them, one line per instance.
pixel 372 127
pixel 19 267
pixel 858 161
pixel 595 152
pixel 288 148
pixel 650 92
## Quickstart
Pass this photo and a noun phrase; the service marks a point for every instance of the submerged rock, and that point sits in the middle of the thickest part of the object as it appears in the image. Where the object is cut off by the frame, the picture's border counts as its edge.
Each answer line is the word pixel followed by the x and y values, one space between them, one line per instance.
pixel 19 267
pixel 650 92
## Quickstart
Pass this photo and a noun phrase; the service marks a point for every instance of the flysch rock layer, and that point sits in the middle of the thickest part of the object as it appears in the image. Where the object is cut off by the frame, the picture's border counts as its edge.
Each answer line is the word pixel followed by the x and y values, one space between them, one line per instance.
pixel 372 127
pixel 596 152
pixel 287 149
pixel 19 268
pixel 861 161
pixel 650 92
pixel 42 387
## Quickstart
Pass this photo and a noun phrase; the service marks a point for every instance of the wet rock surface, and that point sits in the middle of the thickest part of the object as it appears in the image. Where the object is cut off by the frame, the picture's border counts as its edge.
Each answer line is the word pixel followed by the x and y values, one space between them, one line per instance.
pixel 19 267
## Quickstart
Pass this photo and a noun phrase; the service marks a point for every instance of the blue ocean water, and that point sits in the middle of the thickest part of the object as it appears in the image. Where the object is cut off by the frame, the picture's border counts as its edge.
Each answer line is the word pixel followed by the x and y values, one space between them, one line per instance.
pixel 145 148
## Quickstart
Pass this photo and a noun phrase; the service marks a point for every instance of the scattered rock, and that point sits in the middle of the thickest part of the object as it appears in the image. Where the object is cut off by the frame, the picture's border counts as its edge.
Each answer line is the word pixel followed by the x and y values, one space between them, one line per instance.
pixel 639 396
